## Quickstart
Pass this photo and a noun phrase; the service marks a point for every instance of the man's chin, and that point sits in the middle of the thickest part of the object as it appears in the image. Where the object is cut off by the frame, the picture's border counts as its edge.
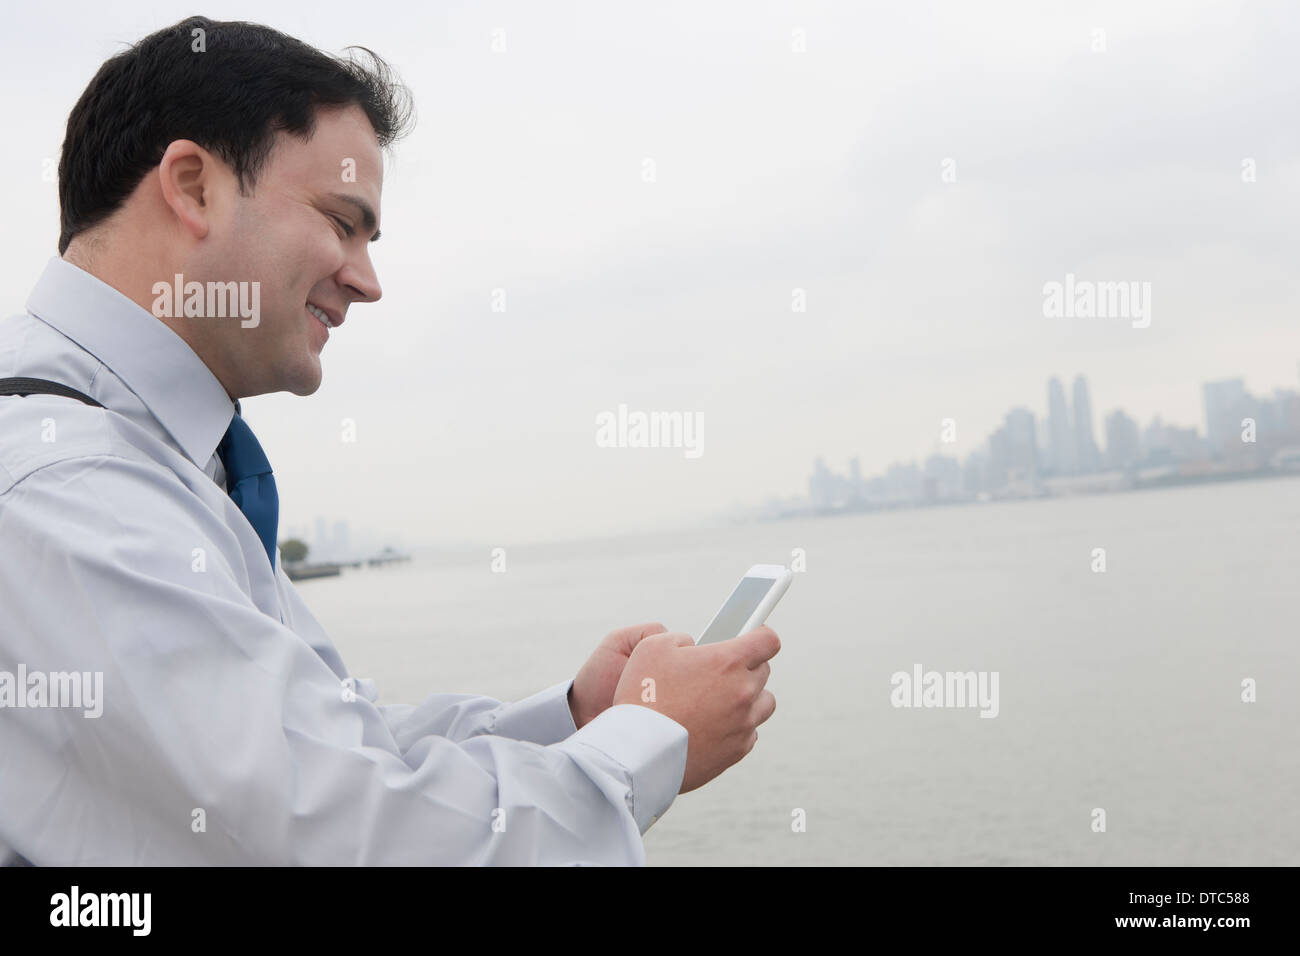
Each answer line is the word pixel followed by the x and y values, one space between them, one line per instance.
pixel 307 382
pixel 306 389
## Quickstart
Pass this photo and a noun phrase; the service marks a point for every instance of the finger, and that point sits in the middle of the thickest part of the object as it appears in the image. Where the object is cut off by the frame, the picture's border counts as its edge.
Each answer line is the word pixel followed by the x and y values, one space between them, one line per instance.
pixel 683 639
pixel 763 708
pixel 758 645
pixel 761 673
pixel 630 637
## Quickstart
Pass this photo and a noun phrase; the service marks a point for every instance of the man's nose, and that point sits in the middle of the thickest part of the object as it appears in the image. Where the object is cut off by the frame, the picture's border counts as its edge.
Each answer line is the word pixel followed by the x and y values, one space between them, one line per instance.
pixel 360 279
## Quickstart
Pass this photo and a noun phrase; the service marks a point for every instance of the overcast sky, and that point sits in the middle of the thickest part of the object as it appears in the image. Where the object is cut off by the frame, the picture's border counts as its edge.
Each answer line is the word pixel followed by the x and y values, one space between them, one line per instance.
pixel 774 170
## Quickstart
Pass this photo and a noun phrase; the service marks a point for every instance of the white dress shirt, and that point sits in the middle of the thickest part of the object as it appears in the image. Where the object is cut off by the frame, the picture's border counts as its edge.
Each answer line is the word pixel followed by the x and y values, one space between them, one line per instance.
pixel 229 733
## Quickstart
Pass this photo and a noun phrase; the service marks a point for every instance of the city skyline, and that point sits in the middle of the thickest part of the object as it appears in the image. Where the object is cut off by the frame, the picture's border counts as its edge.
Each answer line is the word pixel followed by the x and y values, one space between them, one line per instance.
pixel 1058 453
pixel 1060 443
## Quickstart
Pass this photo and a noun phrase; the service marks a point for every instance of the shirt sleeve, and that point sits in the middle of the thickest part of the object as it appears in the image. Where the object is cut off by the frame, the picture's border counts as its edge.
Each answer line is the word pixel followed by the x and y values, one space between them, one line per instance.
pixel 544 718
pixel 223 738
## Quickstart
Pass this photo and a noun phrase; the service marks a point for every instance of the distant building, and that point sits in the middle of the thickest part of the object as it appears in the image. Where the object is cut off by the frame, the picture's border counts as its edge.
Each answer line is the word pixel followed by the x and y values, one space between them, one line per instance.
pixel 1062 456
pixel 857 489
pixel 1013 454
pixel 1278 418
pixel 1232 414
pixel 821 486
pixel 1226 404
pixel 1123 442
pixel 328 544
pixel 1085 447
pixel 943 478
pixel 903 482
pixel 997 471
pixel 1022 444
pixel 973 480
pixel 1169 444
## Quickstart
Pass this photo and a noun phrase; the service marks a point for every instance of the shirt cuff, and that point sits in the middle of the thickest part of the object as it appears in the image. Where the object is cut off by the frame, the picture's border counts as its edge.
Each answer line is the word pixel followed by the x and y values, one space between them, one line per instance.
pixel 642 747
pixel 544 718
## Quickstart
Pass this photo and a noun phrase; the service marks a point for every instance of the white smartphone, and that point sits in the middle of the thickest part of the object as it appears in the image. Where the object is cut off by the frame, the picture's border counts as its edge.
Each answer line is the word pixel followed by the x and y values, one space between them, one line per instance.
pixel 750 604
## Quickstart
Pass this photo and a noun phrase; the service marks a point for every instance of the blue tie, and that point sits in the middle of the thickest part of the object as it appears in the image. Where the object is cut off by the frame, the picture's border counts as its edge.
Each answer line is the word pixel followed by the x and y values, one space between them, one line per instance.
pixel 250 482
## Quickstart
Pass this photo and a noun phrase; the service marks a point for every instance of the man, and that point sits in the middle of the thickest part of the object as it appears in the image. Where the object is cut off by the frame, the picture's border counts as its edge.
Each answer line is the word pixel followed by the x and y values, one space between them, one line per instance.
pixel 165 695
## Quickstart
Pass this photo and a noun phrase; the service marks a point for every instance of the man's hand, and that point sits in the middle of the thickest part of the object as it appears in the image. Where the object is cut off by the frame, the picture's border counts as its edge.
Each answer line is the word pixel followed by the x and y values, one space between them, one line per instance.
pixel 593 688
pixel 716 691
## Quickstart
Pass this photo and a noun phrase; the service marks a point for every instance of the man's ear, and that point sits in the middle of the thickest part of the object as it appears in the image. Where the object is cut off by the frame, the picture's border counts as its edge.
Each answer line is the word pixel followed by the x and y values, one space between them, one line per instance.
pixel 186 176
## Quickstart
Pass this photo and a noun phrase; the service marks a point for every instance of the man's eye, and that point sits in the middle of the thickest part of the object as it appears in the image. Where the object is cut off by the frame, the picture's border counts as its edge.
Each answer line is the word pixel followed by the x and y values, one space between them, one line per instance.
pixel 347 230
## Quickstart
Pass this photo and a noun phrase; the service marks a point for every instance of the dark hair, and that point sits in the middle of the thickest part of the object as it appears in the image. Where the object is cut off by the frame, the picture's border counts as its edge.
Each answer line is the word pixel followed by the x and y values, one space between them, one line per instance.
pixel 232 98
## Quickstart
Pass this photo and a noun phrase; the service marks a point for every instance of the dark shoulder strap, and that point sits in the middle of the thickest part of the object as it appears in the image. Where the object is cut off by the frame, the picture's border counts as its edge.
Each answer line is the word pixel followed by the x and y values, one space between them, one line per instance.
pixel 40 386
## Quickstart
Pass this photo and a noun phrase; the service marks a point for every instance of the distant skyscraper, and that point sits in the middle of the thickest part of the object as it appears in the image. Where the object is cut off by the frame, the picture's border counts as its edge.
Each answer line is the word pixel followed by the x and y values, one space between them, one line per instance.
pixel 821 486
pixel 998 469
pixel 1021 443
pixel 974 479
pixel 1061 453
pixel 1123 444
pixel 1225 403
pixel 341 541
pixel 1084 444
pixel 1279 417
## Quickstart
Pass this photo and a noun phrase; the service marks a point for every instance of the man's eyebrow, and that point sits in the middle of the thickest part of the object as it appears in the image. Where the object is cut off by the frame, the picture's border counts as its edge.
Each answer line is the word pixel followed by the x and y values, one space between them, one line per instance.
pixel 363 209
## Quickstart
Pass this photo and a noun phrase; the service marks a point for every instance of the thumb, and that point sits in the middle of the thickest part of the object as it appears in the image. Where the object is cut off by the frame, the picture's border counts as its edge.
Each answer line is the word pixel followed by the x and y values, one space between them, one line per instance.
pixel 682 640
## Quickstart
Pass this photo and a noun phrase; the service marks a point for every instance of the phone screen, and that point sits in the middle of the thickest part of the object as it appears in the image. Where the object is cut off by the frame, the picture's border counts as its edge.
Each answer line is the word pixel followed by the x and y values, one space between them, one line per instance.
pixel 743 602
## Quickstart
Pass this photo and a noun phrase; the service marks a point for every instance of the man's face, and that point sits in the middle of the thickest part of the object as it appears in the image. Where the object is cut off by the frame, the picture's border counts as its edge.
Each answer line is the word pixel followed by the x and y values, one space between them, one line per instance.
pixel 302 234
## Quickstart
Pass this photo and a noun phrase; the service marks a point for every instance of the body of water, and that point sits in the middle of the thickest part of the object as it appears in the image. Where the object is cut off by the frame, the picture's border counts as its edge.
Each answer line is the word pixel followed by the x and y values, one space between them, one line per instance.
pixel 1119 690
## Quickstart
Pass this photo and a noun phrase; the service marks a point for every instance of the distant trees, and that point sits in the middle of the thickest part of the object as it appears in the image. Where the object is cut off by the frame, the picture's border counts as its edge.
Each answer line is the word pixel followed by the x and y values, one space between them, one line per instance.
pixel 293 550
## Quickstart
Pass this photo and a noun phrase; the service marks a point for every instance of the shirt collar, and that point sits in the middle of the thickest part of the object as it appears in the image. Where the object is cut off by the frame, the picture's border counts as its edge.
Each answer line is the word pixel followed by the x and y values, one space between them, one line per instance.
pixel 155 363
